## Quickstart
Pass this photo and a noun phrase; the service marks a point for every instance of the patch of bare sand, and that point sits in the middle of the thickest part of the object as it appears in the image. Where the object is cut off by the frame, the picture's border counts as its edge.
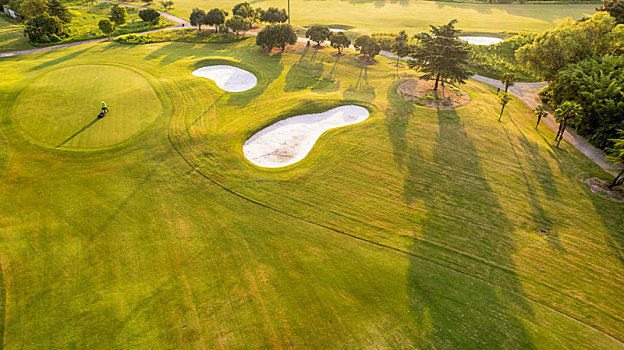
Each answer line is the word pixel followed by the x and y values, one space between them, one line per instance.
pixel 421 92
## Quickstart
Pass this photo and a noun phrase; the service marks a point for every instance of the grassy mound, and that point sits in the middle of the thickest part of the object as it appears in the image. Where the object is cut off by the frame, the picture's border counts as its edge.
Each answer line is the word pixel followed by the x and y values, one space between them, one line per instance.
pixel 60 108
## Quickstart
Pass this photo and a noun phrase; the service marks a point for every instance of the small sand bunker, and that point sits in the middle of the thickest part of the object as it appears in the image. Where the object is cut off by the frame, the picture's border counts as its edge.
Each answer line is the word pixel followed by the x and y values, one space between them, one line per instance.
pixel 334 30
pixel 228 78
pixel 421 93
pixel 290 140
pixel 481 40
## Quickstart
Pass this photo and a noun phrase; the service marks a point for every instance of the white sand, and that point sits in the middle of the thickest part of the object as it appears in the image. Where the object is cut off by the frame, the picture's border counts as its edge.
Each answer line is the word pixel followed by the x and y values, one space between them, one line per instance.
pixel 336 30
pixel 290 140
pixel 228 78
pixel 481 40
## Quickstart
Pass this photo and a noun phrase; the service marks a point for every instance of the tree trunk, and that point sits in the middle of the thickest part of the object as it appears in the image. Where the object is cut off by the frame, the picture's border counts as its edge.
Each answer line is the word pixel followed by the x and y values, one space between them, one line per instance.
pixel 397 64
pixel 562 131
pixel 539 117
pixel 216 28
pixel 506 87
pixel 501 113
pixel 435 87
pixel 616 179
pixel 559 131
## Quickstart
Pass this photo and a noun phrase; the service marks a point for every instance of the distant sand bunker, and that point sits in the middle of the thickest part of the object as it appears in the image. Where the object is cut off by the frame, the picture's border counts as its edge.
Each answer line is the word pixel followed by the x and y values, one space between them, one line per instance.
pixel 290 140
pixel 228 78
pixel 481 40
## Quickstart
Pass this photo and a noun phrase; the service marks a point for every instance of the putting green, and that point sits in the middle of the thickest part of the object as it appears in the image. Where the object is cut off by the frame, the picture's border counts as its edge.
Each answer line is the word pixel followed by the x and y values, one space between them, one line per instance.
pixel 60 109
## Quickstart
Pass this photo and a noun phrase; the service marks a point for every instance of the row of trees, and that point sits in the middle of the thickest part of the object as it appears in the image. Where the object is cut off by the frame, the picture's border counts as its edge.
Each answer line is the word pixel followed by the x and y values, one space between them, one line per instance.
pixel 46 21
pixel 244 16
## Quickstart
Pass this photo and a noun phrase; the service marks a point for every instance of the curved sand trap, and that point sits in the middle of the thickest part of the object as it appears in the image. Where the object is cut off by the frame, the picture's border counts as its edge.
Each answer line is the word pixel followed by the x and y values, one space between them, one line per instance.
pixel 290 140
pixel 481 40
pixel 228 78
pixel 333 30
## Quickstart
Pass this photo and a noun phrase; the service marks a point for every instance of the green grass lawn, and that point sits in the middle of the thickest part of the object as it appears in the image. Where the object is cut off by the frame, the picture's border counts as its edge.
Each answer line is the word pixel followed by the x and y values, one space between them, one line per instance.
pixel 413 16
pixel 414 229
pixel 11 35
pixel 84 26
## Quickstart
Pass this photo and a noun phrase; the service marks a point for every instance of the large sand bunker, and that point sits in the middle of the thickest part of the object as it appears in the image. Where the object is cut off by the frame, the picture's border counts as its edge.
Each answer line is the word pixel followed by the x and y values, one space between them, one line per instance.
pixel 290 140
pixel 228 78
pixel 481 40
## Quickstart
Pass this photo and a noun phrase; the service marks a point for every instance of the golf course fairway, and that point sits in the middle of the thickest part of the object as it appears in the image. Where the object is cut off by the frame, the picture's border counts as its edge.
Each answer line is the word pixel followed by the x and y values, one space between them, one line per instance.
pixel 418 228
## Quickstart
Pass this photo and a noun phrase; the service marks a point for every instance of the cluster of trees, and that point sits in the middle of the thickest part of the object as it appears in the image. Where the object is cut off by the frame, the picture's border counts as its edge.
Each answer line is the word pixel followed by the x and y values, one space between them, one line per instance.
pixel 584 63
pixel 276 35
pixel 244 16
pixel 46 20
pixel 167 4
pixel 119 16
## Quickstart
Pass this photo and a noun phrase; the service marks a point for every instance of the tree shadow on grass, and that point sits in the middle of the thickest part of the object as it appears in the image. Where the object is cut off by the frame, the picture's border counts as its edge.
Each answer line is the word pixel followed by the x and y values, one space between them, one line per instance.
pixel 78 132
pixel 305 73
pixel 56 61
pixel 168 54
pixel 362 90
pixel 470 297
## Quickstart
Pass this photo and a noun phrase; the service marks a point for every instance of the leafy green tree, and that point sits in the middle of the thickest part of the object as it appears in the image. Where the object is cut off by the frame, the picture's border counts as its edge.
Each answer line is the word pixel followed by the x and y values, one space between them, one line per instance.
pixel 540 112
pixel 441 55
pixel 167 4
pixel 401 48
pixel 149 16
pixel 274 15
pixel 32 8
pixel 44 29
pixel 237 24
pixel 118 15
pixel 503 100
pixel 276 35
pixel 245 10
pixel 215 17
pixel 339 41
pixel 508 80
pixel 597 84
pixel 57 9
pixel 570 42
pixel 367 46
pixel 566 111
pixel 318 34
pixel 106 26
pixel 198 18
pixel 615 8
pixel 617 157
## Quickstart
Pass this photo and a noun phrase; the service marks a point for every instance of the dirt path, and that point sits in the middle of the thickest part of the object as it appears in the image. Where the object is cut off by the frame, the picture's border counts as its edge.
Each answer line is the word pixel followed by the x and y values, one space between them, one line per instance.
pixel 180 23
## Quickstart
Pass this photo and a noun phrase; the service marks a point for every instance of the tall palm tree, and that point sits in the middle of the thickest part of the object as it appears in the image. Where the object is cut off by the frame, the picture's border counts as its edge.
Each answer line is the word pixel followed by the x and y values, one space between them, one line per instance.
pixel 566 111
pixel 617 157
pixel 508 80
pixel 504 99
pixel 540 112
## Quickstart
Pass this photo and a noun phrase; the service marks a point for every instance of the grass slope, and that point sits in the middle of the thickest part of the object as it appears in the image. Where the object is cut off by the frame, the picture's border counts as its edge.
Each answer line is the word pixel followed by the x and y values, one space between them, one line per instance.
pixel 420 232
pixel 413 16
pixel 11 35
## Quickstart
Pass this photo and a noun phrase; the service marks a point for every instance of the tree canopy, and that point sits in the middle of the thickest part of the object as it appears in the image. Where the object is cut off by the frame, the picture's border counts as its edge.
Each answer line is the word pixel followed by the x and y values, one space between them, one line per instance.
pixel 44 29
pixel 367 46
pixel 274 15
pixel 339 41
pixel 237 24
pixel 615 8
pixel 570 42
pixel 318 34
pixel 118 15
pixel 106 26
pixel 215 17
pixel 276 35
pixel 149 16
pixel 57 9
pixel 197 18
pixel 441 55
